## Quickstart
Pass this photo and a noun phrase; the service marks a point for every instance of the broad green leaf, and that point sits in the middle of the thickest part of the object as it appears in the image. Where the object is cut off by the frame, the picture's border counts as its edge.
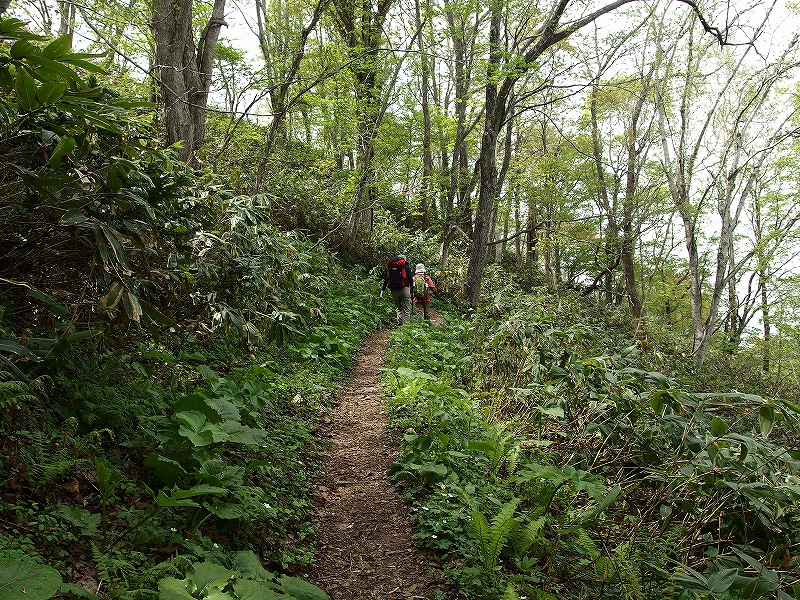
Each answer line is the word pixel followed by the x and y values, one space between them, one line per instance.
pixel 15 348
pixel 26 91
pixel 195 428
pixel 74 590
pixel 113 238
pixel 113 180
pixel 240 434
pixel 170 588
pixel 609 499
pixel 247 589
pixel 657 402
pixel 302 590
pixel 430 472
pixel 132 307
pixel 103 250
pixel 166 469
pixel 226 510
pixel 215 410
pixel 22 49
pixel 58 47
pixel 64 148
pixel 53 306
pixel 51 92
pixel 25 579
pixel 84 64
pixel 112 298
pixel 51 70
pixel 766 419
pixel 79 336
pixel 209 577
pixel 248 565
pixel 155 316
pixel 74 217
pixel 199 490
pixel 553 411
pixel 412 374
pixel 163 500
pixel 722 580
pixel 192 419
pixel 719 427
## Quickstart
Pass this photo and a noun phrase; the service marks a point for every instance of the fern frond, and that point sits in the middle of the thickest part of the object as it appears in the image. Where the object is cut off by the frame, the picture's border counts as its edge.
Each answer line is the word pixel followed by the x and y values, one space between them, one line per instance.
pixel 174 566
pixel 479 529
pixel 511 593
pixel 522 538
pixel 512 461
pixel 585 543
pixel 20 394
pixel 502 526
pixel 629 574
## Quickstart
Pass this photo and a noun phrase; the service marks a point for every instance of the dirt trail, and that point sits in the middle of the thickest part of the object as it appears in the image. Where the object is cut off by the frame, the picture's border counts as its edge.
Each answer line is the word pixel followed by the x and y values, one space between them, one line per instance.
pixel 363 528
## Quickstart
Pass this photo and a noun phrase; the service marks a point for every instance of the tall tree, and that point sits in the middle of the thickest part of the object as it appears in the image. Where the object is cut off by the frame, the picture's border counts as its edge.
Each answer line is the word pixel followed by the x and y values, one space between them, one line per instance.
pixel 700 168
pixel 360 26
pixel 505 68
pixel 464 21
pixel 427 161
pixel 282 39
pixel 184 67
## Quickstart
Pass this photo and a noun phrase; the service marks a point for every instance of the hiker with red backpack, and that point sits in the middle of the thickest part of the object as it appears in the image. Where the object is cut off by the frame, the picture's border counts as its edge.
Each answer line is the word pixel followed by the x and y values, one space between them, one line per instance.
pixel 398 280
pixel 421 288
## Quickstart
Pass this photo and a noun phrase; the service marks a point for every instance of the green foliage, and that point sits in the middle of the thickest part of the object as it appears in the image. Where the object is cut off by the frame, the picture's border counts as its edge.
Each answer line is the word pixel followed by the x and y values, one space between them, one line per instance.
pixel 631 432
pixel 493 536
pixel 240 576
pixel 25 578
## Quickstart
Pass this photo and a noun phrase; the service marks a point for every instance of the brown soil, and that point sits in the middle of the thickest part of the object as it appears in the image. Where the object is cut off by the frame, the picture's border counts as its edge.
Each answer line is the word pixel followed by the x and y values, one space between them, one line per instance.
pixel 363 528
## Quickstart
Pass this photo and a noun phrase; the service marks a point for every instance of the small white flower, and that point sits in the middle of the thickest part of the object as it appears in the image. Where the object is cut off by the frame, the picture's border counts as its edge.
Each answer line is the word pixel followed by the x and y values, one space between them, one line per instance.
pixel 216 545
pixel 433 536
pixel 267 506
pixel 173 530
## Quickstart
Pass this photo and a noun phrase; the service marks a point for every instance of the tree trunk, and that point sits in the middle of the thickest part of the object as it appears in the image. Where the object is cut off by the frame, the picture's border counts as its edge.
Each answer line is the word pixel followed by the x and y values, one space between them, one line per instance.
pixel 424 62
pixel 281 77
pixel 499 91
pixel 456 209
pixel 185 71
pixel 361 28
pixel 493 121
pixel 68 11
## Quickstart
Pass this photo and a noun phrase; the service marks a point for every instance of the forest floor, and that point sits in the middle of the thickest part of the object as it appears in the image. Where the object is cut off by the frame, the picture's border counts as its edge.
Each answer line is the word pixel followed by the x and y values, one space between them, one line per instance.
pixel 363 526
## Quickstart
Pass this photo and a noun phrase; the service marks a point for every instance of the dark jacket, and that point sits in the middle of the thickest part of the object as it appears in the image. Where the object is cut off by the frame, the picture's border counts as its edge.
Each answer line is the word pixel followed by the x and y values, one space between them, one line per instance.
pixel 407 275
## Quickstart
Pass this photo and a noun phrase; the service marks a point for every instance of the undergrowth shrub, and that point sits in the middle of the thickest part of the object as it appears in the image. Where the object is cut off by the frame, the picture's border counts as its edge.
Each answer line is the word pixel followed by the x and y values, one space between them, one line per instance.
pixel 622 482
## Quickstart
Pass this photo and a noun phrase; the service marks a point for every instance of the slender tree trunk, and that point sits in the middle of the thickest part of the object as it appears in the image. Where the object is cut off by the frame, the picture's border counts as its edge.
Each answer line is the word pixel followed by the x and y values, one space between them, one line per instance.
pixel 499 91
pixel 185 71
pixel 424 192
pixel 361 28
pixel 765 321
pixel 68 11
pixel 487 194
pixel 517 236
pixel 457 210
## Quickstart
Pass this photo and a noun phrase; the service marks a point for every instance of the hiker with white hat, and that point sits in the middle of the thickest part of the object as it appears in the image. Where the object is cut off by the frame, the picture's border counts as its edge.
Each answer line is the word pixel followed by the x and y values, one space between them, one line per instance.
pixel 421 288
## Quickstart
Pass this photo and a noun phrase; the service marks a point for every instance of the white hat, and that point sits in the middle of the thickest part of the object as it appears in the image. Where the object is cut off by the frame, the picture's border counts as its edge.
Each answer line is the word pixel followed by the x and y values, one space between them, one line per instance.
pixel 420 268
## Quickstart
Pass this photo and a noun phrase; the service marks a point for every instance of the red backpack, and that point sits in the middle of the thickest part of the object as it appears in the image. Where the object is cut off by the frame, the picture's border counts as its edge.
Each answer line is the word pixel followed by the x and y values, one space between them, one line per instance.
pixel 398 273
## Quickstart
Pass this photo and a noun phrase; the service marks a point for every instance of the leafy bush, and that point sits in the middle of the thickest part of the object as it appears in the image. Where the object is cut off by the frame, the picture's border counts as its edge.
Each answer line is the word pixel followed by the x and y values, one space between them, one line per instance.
pixel 710 480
